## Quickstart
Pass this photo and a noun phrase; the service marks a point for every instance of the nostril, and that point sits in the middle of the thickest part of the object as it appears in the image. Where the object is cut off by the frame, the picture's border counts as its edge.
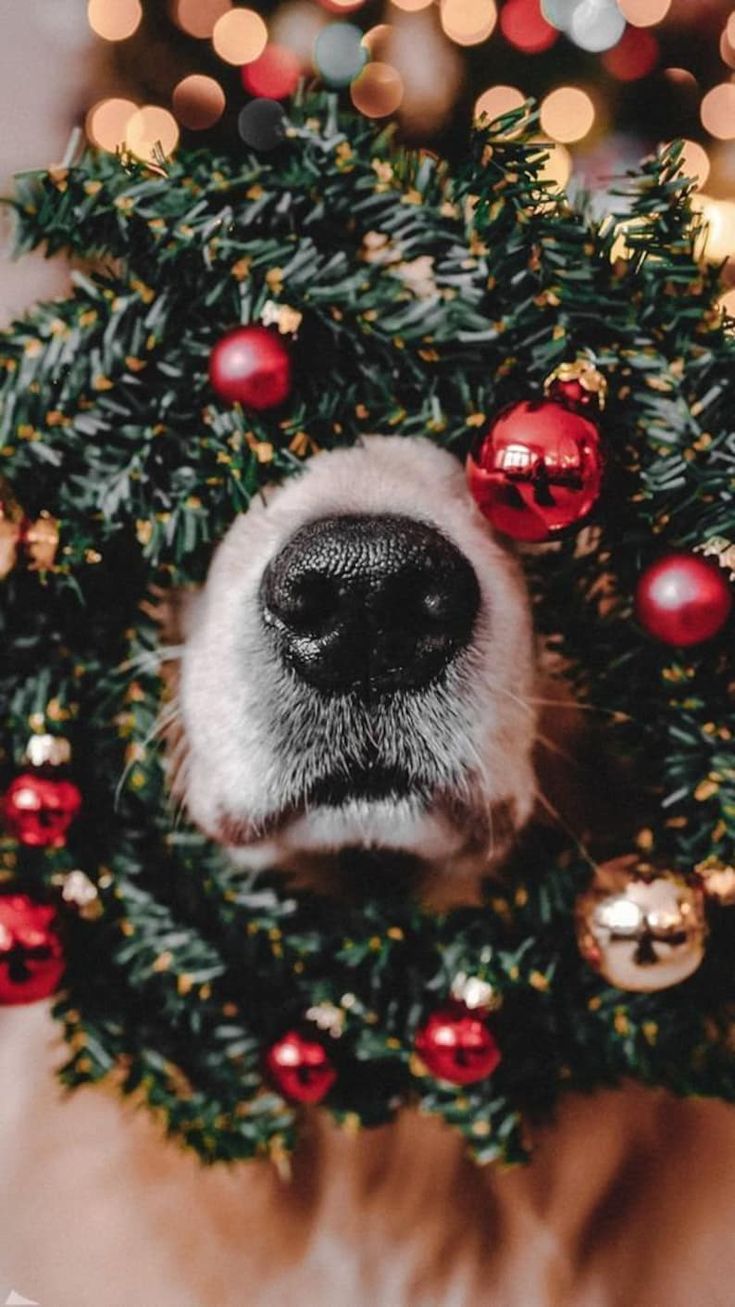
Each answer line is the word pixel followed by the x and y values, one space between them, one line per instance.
pixel 307 603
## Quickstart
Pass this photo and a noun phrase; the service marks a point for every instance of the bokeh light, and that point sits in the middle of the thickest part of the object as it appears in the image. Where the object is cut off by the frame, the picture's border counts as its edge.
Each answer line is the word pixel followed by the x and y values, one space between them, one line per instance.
pixel 695 162
pixel 726 303
pixel 198 102
pixel 342 6
pixel 107 121
pixel 596 25
pixel 523 24
pixel 727 49
pixel 557 168
pixel 150 130
pixel 296 25
pixel 635 55
pixel 262 124
pixel 275 74
pixel 717 111
pixel 644 13
pixel 239 36
pixel 339 53
pixel 719 215
pixel 114 20
pixel 198 17
pixel 376 38
pixel 412 6
pixel 497 100
pixel 378 91
pixel 468 22
pixel 681 77
pixel 567 114
pixel 559 12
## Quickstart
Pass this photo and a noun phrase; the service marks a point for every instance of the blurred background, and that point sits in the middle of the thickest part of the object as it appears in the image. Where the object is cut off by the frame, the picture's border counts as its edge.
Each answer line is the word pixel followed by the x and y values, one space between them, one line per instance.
pixel 613 79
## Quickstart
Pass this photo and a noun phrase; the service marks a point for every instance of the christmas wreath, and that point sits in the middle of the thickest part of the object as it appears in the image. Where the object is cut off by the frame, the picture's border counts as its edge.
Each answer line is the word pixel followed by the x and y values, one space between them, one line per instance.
pixel 371 289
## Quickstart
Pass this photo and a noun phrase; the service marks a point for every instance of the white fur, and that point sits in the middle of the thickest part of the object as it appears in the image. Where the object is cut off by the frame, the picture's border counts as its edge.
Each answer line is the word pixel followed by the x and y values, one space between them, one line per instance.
pixel 257 737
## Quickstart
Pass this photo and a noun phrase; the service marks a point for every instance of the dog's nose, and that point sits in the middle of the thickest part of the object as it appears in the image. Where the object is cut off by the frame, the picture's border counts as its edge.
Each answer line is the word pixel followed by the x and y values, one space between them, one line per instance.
pixel 369 603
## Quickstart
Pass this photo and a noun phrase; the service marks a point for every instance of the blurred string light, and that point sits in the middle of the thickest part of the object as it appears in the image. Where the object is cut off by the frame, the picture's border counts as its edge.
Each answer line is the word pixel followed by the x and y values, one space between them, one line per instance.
pixel 114 20
pixel 635 55
pixel 107 121
pixel 717 111
pixel 593 25
pixel 681 77
pixel 376 39
pixel 151 131
pixel 296 25
pixel 468 22
pixel 430 68
pixel 719 234
pixel 567 114
pixel 198 17
pixel 339 53
pixel 342 6
pixel 695 162
pixel 524 26
pixel 378 91
pixel 239 36
pixel 727 46
pixel 644 13
pixel 726 303
pixel 557 168
pixel 198 102
pixel 274 74
pixel 412 6
pixel 497 100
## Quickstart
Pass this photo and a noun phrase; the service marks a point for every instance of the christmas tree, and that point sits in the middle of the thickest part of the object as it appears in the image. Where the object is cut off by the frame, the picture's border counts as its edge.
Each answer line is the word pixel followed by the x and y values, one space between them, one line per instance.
pixel 380 292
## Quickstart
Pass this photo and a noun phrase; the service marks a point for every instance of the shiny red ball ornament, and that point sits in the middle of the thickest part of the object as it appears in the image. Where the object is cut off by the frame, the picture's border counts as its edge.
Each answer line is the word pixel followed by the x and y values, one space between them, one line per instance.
pixel 31 956
pixel 456 1045
pixel 251 366
pixel 683 599
pixel 38 810
pixel 300 1068
pixel 537 470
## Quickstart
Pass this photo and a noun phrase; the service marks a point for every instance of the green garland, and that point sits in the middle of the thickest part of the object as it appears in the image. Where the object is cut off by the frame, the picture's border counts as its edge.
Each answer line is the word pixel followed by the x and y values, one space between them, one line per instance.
pixel 183 971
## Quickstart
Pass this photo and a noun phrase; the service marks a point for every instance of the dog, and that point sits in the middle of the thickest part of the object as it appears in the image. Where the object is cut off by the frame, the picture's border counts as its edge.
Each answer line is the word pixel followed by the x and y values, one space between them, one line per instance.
pixel 359 674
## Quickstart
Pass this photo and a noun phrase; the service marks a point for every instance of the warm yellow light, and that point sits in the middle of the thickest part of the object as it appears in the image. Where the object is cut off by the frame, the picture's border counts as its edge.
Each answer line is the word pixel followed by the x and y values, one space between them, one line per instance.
pixel 695 162
pixel 726 302
pixel 412 6
pixel 378 90
pixel 150 130
pixel 719 237
pixel 644 13
pixel 558 167
pixel 567 114
pixel 198 101
pixel 468 21
pixel 198 17
pixel 717 111
pixel 114 20
pixel 240 36
pixel 376 37
pixel 107 121
pixel 497 100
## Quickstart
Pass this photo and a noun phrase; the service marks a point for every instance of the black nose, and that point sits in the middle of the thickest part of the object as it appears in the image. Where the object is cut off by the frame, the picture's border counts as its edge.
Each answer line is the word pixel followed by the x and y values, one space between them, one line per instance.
pixel 369 603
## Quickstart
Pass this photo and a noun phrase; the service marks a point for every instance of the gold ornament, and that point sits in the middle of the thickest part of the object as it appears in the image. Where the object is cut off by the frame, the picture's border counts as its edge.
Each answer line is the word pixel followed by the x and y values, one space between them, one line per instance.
pixel 282 316
pixel 640 928
pixel 583 373
pixel 11 527
pixel 41 541
pixel 717 879
pixel 474 992
pixel 723 550
pixel 328 1017
pixel 81 892
pixel 48 751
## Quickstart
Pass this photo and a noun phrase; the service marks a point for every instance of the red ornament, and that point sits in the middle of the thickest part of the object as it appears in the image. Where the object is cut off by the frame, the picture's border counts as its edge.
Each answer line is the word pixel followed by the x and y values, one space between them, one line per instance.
pixel 537 470
pixel 300 1068
pixel 31 957
pixel 39 810
pixel 683 599
pixel 251 366
pixel 456 1045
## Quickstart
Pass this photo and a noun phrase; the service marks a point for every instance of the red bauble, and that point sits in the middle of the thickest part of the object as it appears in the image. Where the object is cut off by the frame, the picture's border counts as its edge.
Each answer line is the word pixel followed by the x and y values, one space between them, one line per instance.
pixel 251 366
pixel 300 1068
pixel 456 1045
pixel 39 810
pixel 683 599
pixel 537 470
pixel 31 957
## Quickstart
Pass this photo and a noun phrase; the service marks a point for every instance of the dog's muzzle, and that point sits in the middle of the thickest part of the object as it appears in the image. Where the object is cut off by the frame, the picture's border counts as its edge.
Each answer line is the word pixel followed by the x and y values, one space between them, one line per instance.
pixel 369 604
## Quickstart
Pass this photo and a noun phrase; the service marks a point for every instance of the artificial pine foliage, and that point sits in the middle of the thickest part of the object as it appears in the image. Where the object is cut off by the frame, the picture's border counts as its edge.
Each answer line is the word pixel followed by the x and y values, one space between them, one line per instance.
pixel 427 300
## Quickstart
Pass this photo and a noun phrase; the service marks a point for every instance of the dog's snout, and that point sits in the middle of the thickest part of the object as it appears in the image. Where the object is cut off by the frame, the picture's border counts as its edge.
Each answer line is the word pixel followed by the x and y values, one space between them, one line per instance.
pixel 369 603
